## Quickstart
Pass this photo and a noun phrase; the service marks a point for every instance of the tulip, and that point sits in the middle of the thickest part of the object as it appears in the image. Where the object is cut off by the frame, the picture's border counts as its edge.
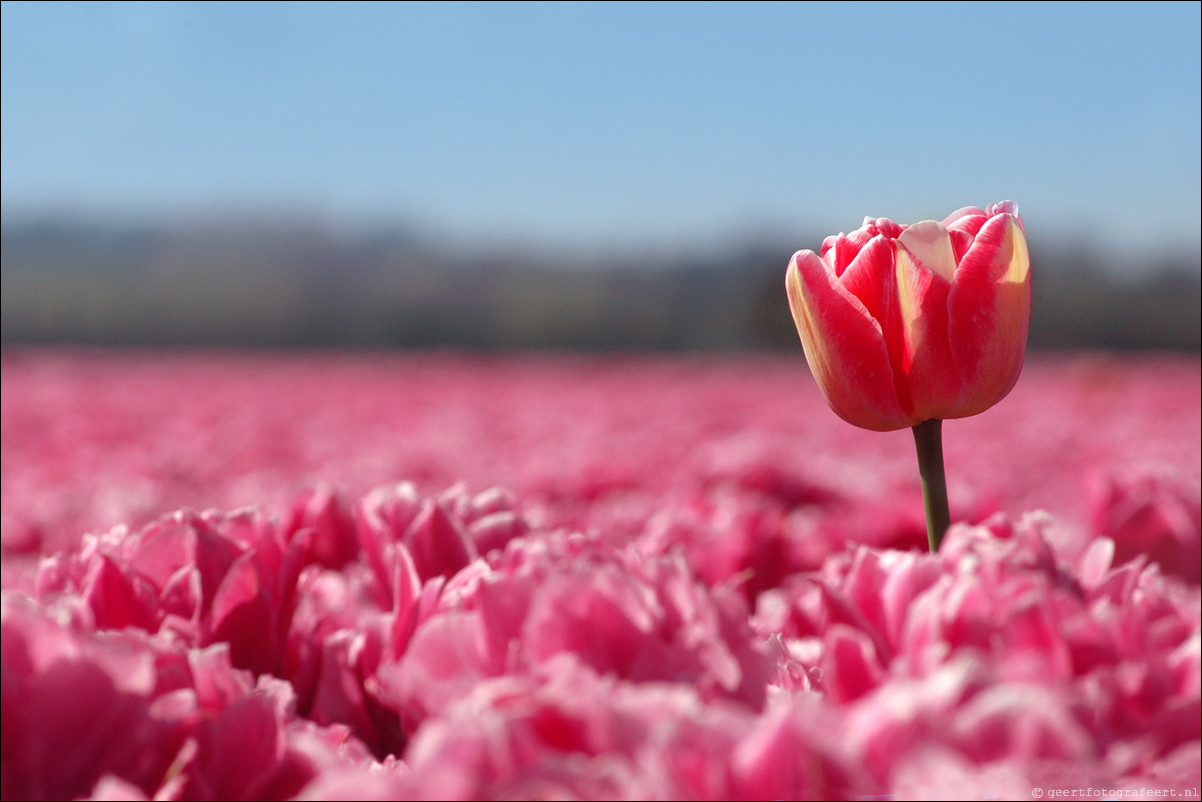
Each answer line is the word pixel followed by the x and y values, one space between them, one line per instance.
pixel 904 326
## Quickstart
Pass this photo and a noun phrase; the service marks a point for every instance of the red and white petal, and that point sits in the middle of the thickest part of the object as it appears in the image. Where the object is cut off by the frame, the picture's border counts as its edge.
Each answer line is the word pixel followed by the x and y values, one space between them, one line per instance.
pixel 844 346
pixel 1006 207
pixel 841 250
pixel 990 312
pixel 872 278
pixel 924 270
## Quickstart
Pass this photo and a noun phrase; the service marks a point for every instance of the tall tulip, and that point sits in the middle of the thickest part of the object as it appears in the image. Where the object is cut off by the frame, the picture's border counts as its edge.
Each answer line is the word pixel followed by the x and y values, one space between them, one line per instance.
pixel 904 326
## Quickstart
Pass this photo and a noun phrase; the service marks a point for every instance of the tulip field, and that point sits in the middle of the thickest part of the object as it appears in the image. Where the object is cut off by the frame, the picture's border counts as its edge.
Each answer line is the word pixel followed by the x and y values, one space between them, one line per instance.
pixel 257 575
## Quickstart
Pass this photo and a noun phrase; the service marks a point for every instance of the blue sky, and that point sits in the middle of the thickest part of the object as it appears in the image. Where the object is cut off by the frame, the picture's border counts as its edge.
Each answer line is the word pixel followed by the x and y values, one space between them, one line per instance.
pixel 610 124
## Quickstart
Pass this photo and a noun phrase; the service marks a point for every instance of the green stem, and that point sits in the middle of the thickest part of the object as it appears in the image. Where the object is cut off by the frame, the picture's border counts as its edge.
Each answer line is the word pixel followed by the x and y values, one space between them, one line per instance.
pixel 928 439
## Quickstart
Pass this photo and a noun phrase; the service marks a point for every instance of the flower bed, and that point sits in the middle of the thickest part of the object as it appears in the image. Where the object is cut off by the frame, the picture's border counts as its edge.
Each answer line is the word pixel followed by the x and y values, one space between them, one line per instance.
pixel 443 576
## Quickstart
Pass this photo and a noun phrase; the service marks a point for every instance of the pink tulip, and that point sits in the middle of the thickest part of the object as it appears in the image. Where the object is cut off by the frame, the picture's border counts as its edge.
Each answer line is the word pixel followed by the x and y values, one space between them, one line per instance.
pixel 904 324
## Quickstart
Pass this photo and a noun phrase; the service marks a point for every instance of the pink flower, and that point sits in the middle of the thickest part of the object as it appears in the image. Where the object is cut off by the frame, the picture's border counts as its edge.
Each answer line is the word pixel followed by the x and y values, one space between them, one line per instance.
pixel 902 324
pixel 1156 515
pixel 618 612
pixel 567 732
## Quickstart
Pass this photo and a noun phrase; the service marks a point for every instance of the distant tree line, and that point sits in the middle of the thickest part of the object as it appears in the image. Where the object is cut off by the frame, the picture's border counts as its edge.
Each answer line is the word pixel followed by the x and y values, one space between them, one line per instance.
pixel 281 285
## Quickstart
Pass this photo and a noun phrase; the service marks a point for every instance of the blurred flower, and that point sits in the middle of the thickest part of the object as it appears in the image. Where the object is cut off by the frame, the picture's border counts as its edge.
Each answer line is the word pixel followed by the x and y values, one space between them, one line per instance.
pixel 903 324
pixel 1158 515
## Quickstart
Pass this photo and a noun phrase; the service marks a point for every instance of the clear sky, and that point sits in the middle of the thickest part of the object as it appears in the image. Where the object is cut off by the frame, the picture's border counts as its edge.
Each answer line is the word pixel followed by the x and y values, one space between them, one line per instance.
pixel 610 123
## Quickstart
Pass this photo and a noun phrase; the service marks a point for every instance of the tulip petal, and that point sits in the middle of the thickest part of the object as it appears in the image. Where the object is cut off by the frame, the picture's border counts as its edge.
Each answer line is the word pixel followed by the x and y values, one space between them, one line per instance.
pixel 1006 207
pixel 925 268
pixel 845 247
pixel 989 313
pixel 929 243
pixel 872 279
pixel 844 345
pixel 969 220
pixel 961 242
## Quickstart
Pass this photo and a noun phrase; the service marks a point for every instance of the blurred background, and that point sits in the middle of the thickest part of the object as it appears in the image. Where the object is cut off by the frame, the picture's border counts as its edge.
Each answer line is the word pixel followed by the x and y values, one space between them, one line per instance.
pixel 585 176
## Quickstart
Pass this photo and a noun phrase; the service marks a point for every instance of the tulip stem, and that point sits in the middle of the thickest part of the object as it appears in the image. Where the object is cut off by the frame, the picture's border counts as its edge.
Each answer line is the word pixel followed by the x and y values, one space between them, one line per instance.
pixel 928 439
